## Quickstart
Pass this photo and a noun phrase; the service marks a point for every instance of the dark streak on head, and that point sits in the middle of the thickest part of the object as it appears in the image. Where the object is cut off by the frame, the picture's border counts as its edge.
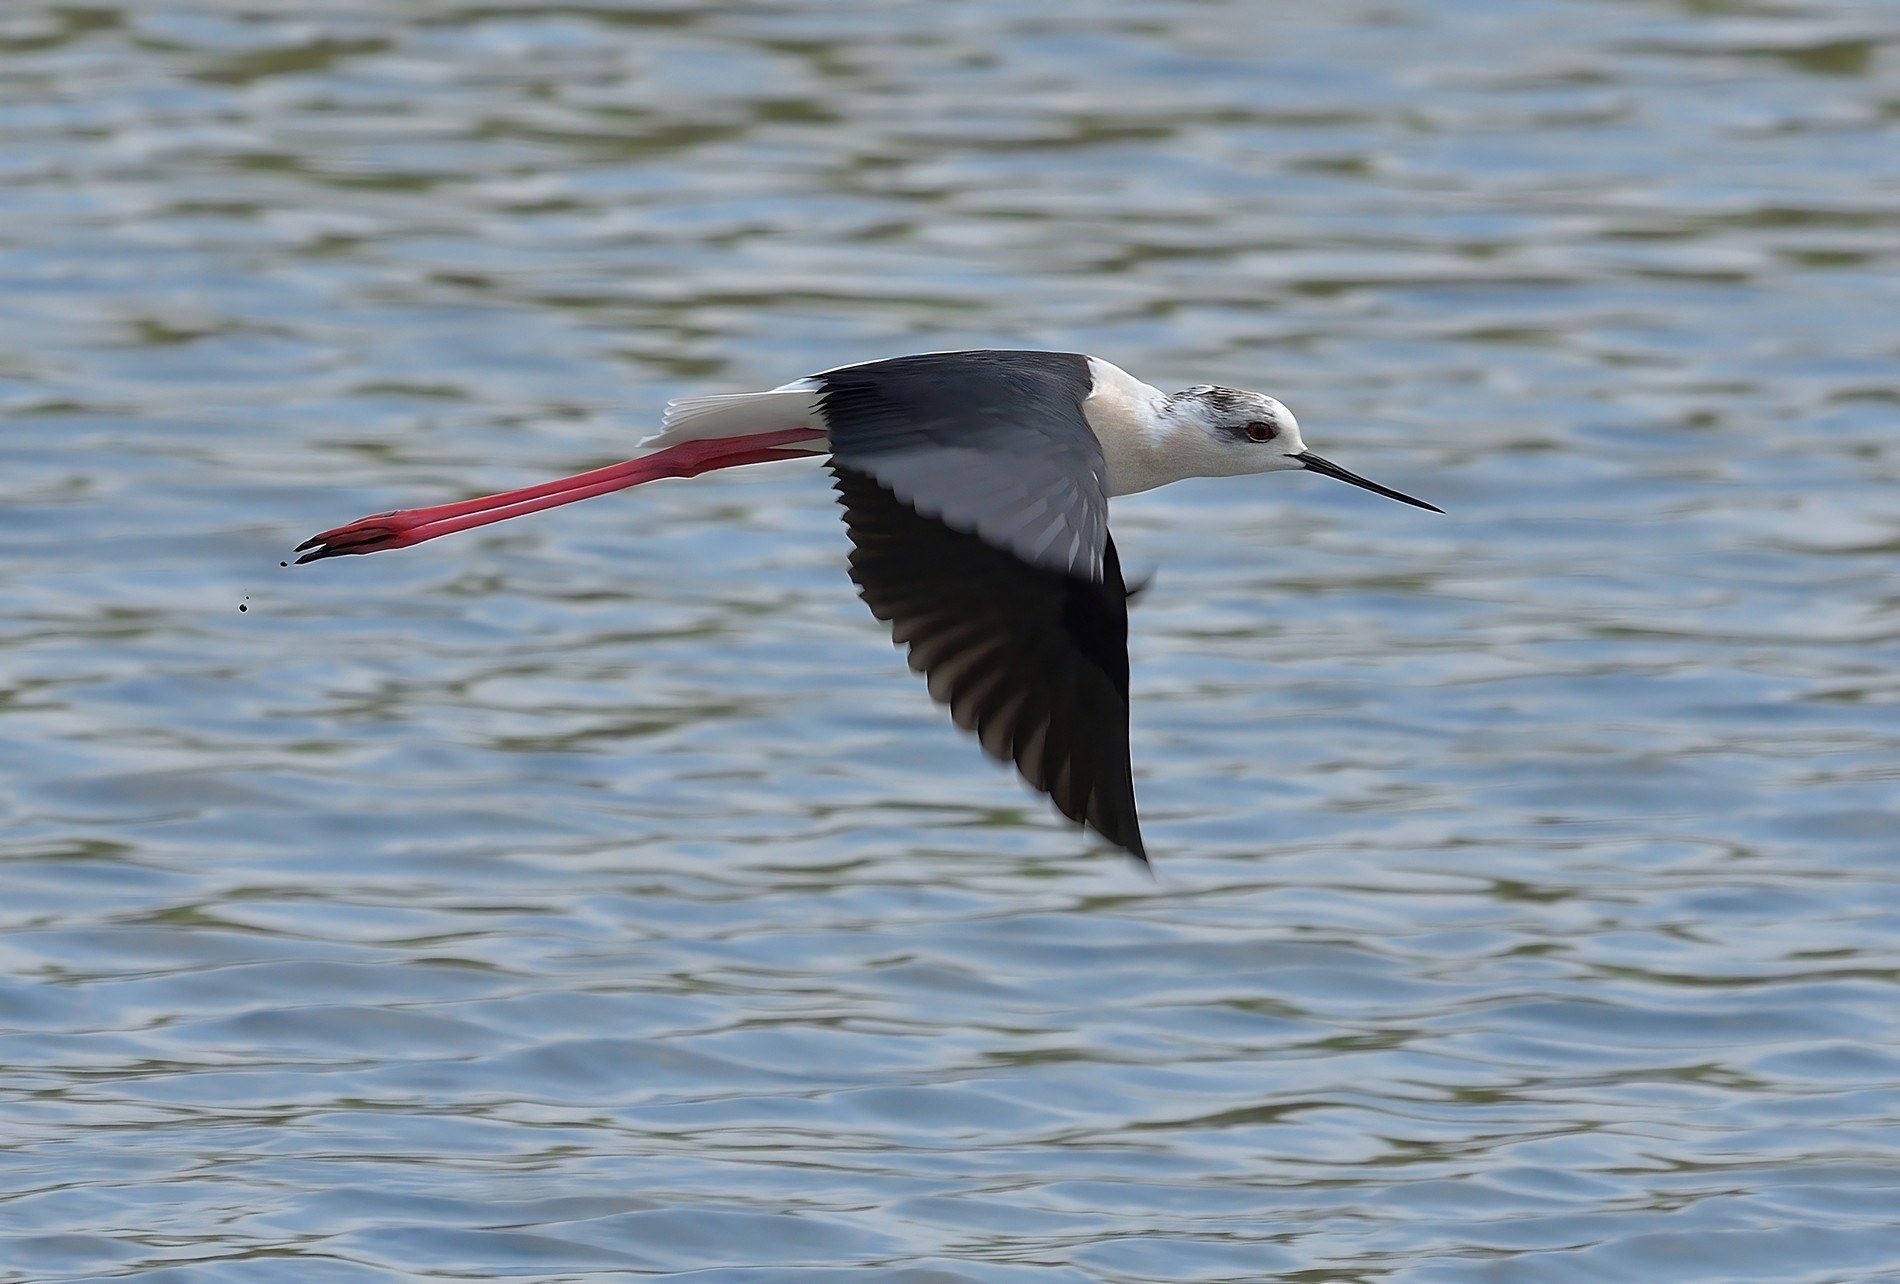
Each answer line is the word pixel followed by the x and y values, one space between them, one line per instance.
pixel 1228 409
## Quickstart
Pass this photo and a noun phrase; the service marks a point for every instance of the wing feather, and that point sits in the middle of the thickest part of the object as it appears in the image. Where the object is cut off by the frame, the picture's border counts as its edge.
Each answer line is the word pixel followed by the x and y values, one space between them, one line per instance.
pixel 991 442
pixel 1033 660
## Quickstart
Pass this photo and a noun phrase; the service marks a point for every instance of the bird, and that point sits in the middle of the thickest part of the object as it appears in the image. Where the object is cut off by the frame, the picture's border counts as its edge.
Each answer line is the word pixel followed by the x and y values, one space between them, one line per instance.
pixel 975 489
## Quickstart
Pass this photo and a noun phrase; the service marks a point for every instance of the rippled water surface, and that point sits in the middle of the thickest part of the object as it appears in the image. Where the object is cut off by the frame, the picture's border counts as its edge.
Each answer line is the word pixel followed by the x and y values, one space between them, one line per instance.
pixel 598 897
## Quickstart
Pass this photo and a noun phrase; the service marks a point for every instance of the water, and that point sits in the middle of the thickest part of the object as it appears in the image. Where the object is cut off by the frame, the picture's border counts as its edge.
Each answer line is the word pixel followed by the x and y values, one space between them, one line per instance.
pixel 598 897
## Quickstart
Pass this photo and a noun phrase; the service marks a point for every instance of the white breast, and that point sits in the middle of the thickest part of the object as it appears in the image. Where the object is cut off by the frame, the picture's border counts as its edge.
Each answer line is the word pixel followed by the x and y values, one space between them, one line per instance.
pixel 1126 416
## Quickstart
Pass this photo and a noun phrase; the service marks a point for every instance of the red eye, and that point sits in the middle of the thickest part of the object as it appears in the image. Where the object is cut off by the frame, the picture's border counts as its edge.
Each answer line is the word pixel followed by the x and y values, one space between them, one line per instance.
pixel 1260 430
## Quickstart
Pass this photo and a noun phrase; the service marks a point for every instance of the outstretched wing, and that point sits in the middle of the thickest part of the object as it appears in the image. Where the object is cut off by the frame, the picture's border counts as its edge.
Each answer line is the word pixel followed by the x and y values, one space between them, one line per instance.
pixel 993 442
pixel 1033 660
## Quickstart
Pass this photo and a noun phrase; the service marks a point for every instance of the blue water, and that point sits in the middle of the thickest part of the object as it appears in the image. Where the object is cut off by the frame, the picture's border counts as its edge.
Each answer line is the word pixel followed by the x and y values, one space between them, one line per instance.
pixel 597 897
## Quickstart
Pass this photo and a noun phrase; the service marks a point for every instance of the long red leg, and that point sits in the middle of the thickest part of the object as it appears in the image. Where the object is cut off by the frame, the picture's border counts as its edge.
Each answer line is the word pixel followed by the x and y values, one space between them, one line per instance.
pixel 406 526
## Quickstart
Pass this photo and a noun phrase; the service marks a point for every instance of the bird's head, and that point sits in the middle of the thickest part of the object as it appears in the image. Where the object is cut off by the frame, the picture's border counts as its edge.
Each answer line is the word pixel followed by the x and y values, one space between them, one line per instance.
pixel 1225 432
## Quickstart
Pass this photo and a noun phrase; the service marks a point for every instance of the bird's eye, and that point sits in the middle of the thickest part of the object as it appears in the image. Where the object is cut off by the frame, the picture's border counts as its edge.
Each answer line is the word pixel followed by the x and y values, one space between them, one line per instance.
pixel 1261 430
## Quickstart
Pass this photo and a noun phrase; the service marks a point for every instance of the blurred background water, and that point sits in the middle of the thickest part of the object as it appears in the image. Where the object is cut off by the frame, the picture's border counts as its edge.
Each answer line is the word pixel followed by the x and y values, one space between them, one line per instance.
pixel 598 897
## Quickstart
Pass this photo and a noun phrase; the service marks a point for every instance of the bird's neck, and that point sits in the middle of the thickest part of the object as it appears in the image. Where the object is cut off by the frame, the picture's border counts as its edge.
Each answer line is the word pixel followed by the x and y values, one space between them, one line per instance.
pixel 1131 420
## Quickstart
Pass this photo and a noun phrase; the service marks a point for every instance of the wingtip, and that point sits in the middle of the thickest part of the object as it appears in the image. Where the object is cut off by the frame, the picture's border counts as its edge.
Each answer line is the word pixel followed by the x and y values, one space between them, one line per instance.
pixel 1129 842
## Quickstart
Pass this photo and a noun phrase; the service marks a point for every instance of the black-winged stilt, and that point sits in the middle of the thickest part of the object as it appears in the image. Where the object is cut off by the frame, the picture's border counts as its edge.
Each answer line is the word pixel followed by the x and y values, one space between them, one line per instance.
pixel 975 488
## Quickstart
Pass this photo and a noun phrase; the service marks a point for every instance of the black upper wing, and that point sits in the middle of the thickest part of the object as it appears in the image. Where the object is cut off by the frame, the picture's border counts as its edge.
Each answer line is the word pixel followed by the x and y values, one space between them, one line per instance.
pixel 993 442
pixel 1033 660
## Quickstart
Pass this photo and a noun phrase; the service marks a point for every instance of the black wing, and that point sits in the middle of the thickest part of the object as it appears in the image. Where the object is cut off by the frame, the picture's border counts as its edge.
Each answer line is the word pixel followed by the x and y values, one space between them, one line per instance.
pixel 993 442
pixel 1034 661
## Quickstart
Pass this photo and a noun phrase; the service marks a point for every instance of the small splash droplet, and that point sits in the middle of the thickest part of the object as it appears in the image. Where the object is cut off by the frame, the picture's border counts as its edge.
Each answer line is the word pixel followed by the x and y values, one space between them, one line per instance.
pixel 241 606
pixel 283 563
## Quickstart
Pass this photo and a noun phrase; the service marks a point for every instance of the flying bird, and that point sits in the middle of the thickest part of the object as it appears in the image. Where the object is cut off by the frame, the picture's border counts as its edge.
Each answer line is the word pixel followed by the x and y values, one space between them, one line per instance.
pixel 975 488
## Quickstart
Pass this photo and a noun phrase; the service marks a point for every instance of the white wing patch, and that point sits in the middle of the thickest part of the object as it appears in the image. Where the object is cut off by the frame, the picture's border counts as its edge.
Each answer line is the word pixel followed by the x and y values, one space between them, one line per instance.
pixel 741 414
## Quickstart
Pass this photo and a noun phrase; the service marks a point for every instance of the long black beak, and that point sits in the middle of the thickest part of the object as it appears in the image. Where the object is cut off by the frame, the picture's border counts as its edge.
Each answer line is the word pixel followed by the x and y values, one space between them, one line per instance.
pixel 1327 468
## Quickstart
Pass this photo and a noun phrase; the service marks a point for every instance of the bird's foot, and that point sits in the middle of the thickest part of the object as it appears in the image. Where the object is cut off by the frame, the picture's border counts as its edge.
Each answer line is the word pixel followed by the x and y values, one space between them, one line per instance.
pixel 370 534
